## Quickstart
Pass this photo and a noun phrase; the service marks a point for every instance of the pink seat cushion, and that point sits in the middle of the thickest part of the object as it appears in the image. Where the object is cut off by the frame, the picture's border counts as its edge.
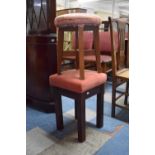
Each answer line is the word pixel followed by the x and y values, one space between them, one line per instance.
pixel 92 58
pixel 70 80
pixel 74 19
pixel 88 40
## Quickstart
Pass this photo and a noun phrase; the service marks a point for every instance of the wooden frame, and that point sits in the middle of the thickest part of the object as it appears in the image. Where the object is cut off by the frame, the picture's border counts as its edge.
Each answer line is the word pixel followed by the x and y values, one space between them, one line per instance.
pixel 79 107
pixel 70 55
pixel 79 53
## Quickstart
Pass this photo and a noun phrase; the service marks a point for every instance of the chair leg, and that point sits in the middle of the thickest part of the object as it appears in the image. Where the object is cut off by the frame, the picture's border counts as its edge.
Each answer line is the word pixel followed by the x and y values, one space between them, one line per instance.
pixel 76 103
pixel 103 65
pixel 127 91
pixel 100 108
pixel 81 119
pixel 58 110
pixel 113 97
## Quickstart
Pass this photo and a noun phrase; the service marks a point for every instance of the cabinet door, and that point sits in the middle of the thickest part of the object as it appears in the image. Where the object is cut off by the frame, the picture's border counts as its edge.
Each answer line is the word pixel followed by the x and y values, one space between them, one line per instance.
pixel 40 15
pixel 40 63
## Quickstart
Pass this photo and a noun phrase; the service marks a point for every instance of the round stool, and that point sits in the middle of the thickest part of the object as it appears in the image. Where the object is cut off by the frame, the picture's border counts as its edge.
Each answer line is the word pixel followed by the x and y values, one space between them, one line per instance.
pixel 78 22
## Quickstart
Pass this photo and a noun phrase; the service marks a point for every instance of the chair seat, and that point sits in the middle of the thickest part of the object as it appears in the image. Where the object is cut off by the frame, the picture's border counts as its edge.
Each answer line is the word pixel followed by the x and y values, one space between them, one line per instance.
pixel 70 80
pixel 124 73
pixel 91 58
pixel 103 58
pixel 74 19
pixel 70 57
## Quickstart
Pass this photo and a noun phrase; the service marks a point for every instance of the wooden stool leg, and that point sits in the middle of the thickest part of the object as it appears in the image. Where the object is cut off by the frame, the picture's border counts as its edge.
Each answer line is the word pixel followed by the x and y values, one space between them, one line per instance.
pixel 100 108
pixel 81 50
pixel 113 97
pixel 58 109
pixel 76 47
pixel 104 67
pixel 60 49
pixel 97 49
pixel 81 119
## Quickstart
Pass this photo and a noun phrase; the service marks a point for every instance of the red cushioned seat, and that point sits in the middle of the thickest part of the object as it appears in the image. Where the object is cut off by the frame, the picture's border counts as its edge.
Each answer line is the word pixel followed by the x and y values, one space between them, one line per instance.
pixel 70 80
pixel 92 58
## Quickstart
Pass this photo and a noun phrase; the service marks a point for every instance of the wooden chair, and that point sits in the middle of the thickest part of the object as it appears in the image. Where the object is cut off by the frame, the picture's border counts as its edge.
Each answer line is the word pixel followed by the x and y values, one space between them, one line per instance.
pixel 79 83
pixel 120 74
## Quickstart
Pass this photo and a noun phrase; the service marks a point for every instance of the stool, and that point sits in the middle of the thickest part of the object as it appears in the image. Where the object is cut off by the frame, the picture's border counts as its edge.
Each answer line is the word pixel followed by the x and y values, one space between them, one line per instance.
pixel 79 83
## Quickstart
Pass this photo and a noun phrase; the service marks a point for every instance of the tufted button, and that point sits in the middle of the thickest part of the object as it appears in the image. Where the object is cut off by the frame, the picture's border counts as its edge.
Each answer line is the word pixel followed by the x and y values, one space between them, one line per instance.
pixel 88 93
pixel 52 40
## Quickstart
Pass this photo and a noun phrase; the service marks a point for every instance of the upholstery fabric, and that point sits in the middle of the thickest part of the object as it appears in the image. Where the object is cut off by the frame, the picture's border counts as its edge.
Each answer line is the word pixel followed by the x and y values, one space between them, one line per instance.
pixel 70 80
pixel 92 58
pixel 105 41
pixel 74 19
pixel 88 40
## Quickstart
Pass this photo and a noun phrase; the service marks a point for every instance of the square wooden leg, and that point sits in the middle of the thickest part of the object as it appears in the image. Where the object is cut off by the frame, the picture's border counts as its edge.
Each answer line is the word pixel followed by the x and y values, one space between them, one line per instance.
pixel 127 91
pixel 76 113
pixel 113 97
pixel 81 119
pixel 58 109
pixel 100 108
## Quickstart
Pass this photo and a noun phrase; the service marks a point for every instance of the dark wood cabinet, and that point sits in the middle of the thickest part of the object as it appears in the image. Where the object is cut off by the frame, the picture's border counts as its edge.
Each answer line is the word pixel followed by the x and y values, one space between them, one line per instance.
pixel 40 63
pixel 40 52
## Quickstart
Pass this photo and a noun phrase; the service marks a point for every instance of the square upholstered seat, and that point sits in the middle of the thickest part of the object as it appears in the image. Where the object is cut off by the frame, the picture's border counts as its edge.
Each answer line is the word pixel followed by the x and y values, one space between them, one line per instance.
pixel 70 80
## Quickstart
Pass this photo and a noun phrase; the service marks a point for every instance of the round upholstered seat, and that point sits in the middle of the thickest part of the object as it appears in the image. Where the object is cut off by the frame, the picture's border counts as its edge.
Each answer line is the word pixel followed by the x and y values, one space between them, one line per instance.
pixel 74 19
